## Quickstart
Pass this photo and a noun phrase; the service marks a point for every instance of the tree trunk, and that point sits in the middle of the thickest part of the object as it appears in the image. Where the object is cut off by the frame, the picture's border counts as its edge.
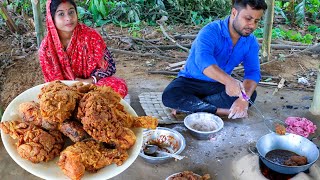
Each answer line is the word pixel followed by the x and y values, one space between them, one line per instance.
pixel 267 31
pixel 315 105
pixel 37 20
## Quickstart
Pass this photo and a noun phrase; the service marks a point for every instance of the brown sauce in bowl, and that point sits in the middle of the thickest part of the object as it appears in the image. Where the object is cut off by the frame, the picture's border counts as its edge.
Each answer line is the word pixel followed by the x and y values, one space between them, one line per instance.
pixel 285 157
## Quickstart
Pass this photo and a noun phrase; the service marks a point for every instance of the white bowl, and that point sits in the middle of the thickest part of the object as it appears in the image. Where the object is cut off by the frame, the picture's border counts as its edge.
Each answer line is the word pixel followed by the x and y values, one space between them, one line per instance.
pixel 203 125
pixel 175 141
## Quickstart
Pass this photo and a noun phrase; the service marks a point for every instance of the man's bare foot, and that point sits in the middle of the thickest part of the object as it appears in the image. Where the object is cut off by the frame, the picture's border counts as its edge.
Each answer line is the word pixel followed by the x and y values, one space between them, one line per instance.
pixel 173 112
pixel 222 112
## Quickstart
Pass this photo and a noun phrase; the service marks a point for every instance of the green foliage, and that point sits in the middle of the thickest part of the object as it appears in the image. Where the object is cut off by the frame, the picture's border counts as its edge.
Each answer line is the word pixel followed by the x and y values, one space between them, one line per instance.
pixel 291 35
pixel 314 29
pixel 312 8
pixel 134 30
pixel 197 11
pixel 1 112
pixel 21 7
pixel 300 13
pixel 279 10
pixel 134 13
pixel 295 12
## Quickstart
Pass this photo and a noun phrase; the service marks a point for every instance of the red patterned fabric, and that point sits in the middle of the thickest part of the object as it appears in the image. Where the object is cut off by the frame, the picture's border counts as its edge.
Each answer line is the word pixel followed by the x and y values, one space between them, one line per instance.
pixel 118 84
pixel 83 55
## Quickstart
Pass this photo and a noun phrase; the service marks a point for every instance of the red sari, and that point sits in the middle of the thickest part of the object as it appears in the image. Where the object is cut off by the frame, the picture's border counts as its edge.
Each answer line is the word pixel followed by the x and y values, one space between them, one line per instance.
pixel 85 55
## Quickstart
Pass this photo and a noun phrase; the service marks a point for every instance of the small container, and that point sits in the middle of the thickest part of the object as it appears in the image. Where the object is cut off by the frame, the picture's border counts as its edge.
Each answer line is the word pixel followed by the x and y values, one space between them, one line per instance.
pixel 168 139
pixel 177 174
pixel 203 125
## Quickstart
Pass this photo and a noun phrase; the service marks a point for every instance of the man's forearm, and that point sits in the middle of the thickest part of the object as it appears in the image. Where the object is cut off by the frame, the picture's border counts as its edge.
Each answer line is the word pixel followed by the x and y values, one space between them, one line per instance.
pixel 214 72
pixel 249 86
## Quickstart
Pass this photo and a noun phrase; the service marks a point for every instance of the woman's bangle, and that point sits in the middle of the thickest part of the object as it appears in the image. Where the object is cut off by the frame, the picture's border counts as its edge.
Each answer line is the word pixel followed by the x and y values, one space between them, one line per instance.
pixel 94 81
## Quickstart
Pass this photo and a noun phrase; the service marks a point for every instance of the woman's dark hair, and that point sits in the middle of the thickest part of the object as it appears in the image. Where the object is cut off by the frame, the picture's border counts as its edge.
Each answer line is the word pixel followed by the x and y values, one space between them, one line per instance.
pixel 55 3
pixel 254 4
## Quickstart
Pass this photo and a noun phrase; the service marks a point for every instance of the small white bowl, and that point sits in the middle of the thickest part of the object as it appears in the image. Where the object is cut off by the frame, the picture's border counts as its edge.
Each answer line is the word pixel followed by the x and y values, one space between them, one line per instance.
pixel 166 136
pixel 203 125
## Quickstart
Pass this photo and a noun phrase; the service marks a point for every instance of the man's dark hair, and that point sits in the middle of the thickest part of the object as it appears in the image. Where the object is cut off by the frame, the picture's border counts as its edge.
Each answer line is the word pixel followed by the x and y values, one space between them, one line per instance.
pixel 254 4
pixel 55 3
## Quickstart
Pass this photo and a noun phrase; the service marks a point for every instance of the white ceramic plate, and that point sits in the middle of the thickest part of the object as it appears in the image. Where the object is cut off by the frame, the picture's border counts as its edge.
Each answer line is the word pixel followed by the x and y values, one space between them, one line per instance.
pixel 50 170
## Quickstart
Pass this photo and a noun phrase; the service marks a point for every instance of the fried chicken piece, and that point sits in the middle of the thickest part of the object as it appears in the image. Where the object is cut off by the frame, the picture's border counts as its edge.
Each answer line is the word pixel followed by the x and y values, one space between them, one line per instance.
pixel 130 121
pixel 100 122
pixel 280 129
pixel 34 144
pixel 83 88
pixel 58 101
pixel 15 129
pixel 111 97
pixel 145 122
pixel 126 139
pixel 90 156
pixel 30 112
pixel 296 161
pixel 73 130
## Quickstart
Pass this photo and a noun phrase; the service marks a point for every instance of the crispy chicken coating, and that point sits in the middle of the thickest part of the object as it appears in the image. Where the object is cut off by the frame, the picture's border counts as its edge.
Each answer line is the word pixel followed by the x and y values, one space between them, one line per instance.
pixel 83 88
pixel 34 144
pixel 129 121
pixel 15 129
pixel 30 112
pixel 280 129
pixel 58 101
pixel 100 122
pixel 90 156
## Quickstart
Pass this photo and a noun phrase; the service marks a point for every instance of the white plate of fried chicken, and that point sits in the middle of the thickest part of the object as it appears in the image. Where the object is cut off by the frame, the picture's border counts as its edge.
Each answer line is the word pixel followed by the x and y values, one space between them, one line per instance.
pixel 103 131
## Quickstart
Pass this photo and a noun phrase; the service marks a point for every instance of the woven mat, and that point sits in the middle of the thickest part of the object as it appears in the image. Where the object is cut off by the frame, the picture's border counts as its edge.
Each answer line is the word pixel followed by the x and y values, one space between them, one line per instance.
pixel 152 105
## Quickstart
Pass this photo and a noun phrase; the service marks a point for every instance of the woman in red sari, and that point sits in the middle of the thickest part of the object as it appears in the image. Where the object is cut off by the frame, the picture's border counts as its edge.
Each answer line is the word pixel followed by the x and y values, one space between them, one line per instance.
pixel 73 51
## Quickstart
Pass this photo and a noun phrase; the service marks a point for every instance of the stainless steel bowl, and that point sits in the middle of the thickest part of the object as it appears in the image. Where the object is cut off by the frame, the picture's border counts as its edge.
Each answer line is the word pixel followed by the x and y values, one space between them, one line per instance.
pixel 168 139
pixel 203 125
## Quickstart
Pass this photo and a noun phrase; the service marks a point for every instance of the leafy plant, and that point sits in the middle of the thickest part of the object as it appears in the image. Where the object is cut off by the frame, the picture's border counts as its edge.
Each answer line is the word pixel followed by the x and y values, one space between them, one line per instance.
pixel 197 11
pixel 300 13
pixel 296 11
pixel 278 33
pixel 314 29
pixel 134 30
pixel 312 8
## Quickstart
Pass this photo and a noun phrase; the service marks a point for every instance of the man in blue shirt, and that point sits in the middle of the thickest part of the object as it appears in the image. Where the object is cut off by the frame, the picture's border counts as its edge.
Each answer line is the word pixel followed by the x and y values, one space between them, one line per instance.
pixel 205 84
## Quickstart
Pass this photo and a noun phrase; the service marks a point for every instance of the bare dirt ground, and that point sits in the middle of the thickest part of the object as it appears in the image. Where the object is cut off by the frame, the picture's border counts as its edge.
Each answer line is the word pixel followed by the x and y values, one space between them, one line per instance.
pixel 21 73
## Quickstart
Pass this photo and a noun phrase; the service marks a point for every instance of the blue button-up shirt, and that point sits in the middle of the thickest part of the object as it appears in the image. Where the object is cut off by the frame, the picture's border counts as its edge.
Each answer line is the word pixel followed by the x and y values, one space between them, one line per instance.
pixel 213 46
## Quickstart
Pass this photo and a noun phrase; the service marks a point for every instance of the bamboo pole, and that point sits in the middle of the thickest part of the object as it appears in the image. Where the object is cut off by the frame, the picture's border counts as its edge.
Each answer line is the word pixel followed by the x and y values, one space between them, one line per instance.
pixel 37 20
pixel 267 31
pixel 315 105
pixel 4 14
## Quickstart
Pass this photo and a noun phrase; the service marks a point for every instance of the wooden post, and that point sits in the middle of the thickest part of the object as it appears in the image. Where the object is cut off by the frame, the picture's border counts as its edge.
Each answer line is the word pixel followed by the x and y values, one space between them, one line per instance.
pixel 267 31
pixel 4 14
pixel 37 20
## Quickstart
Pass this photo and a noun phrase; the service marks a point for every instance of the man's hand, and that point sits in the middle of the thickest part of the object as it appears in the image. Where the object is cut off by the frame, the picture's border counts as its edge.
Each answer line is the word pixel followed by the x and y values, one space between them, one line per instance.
pixel 239 109
pixel 233 87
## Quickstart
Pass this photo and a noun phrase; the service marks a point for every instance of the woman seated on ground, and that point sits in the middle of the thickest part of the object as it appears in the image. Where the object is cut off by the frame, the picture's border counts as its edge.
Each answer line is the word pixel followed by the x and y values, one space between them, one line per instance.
pixel 73 51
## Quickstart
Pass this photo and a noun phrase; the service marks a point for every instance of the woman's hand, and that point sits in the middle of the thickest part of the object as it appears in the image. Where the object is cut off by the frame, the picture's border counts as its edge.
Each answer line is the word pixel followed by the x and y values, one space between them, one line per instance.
pixel 89 80
pixel 239 109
